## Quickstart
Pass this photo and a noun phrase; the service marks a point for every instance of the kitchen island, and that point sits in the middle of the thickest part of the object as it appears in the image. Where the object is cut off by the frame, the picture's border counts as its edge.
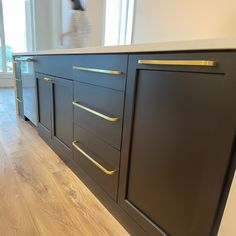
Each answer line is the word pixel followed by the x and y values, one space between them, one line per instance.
pixel 149 128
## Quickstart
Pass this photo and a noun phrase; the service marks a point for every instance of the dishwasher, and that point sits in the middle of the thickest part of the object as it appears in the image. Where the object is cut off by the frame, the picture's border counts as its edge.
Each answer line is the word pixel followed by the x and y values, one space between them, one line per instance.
pixel 29 94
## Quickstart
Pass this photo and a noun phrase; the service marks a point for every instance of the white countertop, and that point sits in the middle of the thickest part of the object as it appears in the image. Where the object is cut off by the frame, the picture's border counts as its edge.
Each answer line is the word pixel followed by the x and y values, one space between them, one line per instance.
pixel 171 46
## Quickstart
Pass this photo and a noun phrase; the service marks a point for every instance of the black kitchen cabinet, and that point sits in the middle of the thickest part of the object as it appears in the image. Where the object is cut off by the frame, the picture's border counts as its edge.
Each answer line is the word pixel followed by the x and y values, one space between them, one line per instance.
pixel 107 101
pixel 44 88
pixel 54 65
pixel 18 89
pixel 177 140
pixel 62 115
pixel 106 70
pixel 55 96
pixel 153 134
pixel 107 156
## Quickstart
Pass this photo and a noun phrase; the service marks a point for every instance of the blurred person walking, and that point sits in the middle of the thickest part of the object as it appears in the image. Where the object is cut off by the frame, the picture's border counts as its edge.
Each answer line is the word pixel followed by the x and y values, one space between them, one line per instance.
pixel 79 26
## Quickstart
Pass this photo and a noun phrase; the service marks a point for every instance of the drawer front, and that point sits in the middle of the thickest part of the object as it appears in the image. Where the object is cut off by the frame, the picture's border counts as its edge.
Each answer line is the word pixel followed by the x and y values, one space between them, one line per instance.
pixel 99 110
pixel 182 61
pixel 60 66
pixel 98 159
pixel 104 70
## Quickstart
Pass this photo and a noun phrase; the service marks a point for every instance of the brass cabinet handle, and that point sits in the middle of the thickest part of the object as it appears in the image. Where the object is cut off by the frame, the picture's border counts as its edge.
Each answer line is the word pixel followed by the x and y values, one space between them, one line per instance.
pixel 178 62
pixel 111 119
pixel 103 169
pixel 23 60
pixel 47 79
pixel 113 72
pixel 17 99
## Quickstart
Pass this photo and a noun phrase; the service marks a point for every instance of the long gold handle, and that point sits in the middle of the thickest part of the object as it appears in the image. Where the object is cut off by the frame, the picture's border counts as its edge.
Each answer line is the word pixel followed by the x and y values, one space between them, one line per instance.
pixel 103 169
pixel 111 119
pixel 23 60
pixel 17 99
pixel 113 72
pixel 178 62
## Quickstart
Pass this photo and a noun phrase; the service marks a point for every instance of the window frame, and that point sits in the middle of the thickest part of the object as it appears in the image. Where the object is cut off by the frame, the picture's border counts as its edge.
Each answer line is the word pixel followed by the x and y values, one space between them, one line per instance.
pixel 126 22
pixel 2 39
pixel 30 37
pixel 124 29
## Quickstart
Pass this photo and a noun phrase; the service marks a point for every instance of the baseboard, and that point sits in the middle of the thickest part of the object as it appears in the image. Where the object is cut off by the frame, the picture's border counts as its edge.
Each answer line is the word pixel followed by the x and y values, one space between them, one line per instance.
pixel 6 83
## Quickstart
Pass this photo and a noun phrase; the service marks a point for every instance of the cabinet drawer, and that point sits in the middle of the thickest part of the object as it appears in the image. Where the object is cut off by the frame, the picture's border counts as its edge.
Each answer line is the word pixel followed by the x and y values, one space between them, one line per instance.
pixel 99 110
pixel 99 160
pixel 104 70
pixel 60 66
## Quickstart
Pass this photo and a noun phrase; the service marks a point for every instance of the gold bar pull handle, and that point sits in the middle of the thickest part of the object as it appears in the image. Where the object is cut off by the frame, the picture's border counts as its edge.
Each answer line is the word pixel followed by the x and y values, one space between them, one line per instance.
pixel 179 62
pixel 103 169
pixel 23 60
pixel 108 118
pixel 95 70
pixel 17 99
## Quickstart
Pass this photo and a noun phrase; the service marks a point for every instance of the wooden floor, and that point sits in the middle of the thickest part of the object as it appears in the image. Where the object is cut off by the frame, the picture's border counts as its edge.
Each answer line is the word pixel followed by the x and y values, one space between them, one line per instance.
pixel 39 194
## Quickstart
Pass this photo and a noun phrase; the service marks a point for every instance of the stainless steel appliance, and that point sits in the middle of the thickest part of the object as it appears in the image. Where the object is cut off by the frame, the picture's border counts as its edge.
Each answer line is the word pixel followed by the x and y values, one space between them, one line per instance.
pixel 28 88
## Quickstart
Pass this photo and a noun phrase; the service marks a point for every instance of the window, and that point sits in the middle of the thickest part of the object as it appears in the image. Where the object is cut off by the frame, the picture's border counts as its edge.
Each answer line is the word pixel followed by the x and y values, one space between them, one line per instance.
pixel 118 22
pixel 1 62
pixel 13 28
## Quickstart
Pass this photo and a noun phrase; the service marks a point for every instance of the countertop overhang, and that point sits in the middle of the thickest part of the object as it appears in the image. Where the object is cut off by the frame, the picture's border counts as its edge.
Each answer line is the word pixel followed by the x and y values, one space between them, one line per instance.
pixel 170 46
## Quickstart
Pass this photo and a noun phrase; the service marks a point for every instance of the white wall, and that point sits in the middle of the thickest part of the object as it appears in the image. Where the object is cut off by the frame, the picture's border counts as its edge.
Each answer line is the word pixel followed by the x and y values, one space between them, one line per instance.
pixel 43 24
pixel 168 20
pixel 96 16
pixel 47 24
pixel 56 19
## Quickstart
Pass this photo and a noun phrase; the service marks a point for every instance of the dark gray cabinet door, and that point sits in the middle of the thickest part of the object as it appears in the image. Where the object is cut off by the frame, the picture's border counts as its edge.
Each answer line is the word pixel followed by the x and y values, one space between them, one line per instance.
pixel 44 106
pixel 90 69
pixel 62 115
pixel 178 133
pixel 54 65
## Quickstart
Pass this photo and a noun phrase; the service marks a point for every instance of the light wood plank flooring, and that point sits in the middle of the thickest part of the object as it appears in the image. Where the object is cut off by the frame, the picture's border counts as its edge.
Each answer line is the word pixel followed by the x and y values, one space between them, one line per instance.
pixel 39 194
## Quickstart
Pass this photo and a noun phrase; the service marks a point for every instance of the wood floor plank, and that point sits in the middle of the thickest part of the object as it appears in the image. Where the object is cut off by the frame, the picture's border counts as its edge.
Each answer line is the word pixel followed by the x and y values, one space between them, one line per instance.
pixel 54 215
pixel 15 217
pixel 49 199
pixel 71 187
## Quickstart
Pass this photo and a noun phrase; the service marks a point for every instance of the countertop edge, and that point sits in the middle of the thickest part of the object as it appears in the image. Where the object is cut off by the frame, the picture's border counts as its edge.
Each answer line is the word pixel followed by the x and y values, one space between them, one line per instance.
pixel 171 46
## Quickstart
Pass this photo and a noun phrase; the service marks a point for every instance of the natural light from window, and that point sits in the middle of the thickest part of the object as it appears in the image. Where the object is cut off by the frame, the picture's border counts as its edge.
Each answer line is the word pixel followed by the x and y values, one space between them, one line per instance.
pixel 14 28
pixel 112 26
pixel 1 64
pixel 118 22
